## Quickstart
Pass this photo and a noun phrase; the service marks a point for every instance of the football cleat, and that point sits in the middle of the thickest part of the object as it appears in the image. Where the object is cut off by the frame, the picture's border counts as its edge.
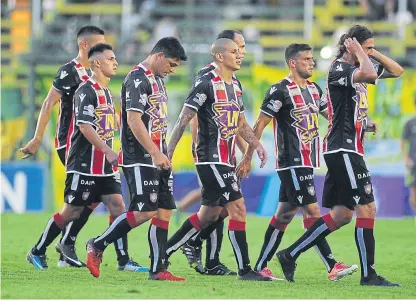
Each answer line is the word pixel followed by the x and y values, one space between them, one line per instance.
pixel 268 273
pixel 132 266
pixel 253 276
pixel 38 261
pixel 288 265
pixel 221 270
pixel 340 270
pixel 377 280
pixel 69 254
pixel 94 258
pixel 193 255
pixel 165 275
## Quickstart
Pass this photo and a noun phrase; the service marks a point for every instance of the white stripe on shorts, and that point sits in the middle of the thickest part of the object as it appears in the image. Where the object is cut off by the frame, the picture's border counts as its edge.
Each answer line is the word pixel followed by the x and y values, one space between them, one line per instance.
pixel 218 176
pixel 75 180
pixel 350 170
pixel 138 179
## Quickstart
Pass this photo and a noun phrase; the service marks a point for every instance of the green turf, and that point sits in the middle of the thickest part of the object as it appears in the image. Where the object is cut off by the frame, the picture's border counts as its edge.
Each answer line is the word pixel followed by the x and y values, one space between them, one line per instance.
pixel 395 254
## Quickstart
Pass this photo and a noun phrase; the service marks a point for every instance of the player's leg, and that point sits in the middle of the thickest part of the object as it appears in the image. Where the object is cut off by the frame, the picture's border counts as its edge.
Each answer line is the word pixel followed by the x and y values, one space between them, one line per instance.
pixel 339 215
pixel 412 189
pixel 158 229
pixel 364 226
pixel 71 210
pixel 70 233
pixel 141 209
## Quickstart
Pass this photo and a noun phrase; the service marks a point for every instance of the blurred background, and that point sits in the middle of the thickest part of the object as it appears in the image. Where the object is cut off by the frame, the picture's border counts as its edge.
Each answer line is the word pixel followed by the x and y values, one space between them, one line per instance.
pixel 39 36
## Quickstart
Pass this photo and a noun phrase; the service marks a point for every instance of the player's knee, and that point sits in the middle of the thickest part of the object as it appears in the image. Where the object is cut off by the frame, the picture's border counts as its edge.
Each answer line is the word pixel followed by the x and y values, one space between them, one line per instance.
pixel 142 217
pixel 208 219
pixel 237 210
pixel 116 207
pixel 163 214
pixel 285 217
pixel 224 213
pixel 311 211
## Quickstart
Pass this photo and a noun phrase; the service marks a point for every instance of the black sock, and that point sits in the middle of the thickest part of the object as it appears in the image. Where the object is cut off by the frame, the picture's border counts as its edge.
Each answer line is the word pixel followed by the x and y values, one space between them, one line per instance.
pixel 51 232
pixel 120 246
pixel 320 229
pixel 238 239
pixel 214 244
pixel 120 227
pixel 70 233
pixel 322 247
pixel 364 238
pixel 272 239
pixel 188 229
pixel 158 237
pixel 205 233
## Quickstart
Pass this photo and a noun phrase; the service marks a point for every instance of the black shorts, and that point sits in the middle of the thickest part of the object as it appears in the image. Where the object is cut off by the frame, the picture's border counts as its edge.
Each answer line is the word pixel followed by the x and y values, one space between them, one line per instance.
pixel 82 190
pixel 219 184
pixel 149 188
pixel 61 154
pixel 347 181
pixel 297 186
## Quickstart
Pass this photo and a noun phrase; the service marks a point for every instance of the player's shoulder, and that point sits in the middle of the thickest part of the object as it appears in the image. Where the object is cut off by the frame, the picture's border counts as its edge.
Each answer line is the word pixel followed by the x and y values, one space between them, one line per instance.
pixel 208 68
pixel 67 69
pixel 338 67
pixel 204 80
pixel 85 88
pixel 137 74
pixel 279 86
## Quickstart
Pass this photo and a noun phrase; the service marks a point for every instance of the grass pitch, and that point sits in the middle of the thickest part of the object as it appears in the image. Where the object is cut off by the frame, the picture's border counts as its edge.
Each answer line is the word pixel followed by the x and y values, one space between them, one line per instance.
pixel 395 256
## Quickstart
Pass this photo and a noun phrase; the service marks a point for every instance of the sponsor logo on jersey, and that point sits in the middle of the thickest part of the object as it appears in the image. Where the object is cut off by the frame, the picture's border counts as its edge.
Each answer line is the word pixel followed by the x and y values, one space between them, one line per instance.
pixel 361 99
pixel 153 197
pixel 104 122
pixel 85 195
pixel 158 111
pixel 200 99
pixel 306 120
pixel 227 116
pixel 63 74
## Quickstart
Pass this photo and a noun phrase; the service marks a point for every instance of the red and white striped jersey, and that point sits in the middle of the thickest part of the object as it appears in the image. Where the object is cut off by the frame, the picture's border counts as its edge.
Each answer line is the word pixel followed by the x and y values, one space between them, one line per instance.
pixel 93 105
pixel 218 107
pixel 347 109
pixel 67 80
pixel 295 113
pixel 143 92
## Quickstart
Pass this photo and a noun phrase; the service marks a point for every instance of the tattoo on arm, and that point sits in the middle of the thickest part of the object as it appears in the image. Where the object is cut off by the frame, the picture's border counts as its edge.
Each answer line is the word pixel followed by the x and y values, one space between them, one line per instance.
pixel 247 133
pixel 185 117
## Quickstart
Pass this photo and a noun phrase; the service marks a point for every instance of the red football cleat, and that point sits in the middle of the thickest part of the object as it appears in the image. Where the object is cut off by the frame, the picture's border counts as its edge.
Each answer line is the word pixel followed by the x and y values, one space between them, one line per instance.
pixel 340 270
pixel 165 275
pixel 268 273
pixel 94 258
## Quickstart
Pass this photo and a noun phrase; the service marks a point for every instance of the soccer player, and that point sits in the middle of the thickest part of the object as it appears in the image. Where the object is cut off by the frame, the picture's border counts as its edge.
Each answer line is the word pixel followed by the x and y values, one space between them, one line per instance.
pixel 348 182
pixel 213 234
pixel 91 163
pixel 67 80
pixel 143 157
pixel 408 146
pixel 216 98
pixel 294 105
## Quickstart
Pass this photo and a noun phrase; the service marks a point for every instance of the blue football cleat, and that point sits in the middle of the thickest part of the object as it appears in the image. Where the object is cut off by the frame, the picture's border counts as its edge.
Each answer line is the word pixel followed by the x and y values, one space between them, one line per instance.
pixel 132 266
pixel 38 261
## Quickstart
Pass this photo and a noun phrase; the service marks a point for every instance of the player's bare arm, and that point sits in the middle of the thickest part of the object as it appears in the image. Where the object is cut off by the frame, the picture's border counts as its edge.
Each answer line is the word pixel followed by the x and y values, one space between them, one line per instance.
pixel 50 101
pixel 392 68
pixel 372 127
pixel 92 136
pixel 365 72
pixel 187 114
pixel 134 120
pixel 243 168
pixel 247 133
pixel 194 129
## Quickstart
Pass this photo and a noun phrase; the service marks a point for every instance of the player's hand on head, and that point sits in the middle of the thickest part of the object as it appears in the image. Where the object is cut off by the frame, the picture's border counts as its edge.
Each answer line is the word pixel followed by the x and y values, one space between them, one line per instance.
pixel 262 154
pixel 352 45
pixel 30 148
pixel 112 157
pixel 244 167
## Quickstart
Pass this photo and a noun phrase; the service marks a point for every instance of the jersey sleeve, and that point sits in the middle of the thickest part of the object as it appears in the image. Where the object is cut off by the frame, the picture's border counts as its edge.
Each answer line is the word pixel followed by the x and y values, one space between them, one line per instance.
pixel 380 70
pixel 198 94
pixel 323 103
pixel 85 102
pixel 65 79
pixel 341 74
pixel 137 91
pixel 240 97
pixel 273 100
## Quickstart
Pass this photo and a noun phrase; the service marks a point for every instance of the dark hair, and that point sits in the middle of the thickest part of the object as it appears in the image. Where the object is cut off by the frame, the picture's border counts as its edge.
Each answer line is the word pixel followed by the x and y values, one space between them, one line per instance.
pixel 361 33
pixel 99 48
pixel 292 51
pixel 228 34
pixel 89 30
pixel 171 48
